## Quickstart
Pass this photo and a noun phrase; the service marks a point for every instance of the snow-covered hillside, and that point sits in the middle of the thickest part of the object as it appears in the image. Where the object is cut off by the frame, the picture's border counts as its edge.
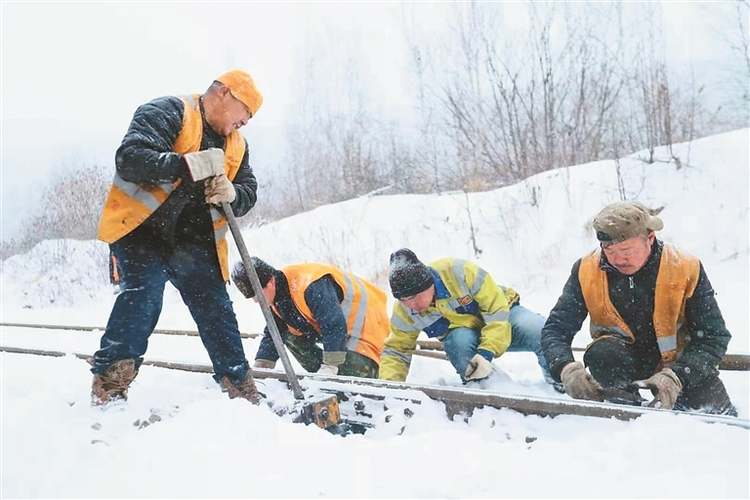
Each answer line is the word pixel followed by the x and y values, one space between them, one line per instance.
pixel 527 235
pixel 54 445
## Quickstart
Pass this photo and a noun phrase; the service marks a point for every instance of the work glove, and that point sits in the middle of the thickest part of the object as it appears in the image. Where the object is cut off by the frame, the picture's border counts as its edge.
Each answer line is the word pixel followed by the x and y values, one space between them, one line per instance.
pixel 219 189
pixel 478 369
pixel 264 363
pixel 205 164
pixel 664 385
pixel 331 362
pixel 579 384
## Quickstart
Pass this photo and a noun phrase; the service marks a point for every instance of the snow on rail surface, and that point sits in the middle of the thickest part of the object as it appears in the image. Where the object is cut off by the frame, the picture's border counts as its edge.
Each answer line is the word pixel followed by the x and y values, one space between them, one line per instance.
pixel 429 348
pixel 457 401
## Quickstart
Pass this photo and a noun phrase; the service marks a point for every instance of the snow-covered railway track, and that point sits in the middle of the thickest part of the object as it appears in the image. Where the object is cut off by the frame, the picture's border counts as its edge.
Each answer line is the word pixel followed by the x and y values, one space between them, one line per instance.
pixel 461 402
pixel 428 348
pixel 83 328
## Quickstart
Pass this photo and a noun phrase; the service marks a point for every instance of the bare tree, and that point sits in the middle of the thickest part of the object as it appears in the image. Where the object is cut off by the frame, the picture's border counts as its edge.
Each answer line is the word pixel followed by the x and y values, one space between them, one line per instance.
pixel 70 208
pixel 731 28
pixel 492 107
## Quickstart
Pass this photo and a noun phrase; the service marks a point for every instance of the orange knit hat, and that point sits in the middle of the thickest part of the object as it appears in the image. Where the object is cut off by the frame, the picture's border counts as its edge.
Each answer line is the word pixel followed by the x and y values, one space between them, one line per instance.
pixel 243 87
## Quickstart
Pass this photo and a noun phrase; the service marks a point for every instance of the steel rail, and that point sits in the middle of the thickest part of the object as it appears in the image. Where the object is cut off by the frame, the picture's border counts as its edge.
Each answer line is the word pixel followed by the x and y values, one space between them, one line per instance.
pixel 731 362
pixel 456 401
pixel 190 333
pixel 427 348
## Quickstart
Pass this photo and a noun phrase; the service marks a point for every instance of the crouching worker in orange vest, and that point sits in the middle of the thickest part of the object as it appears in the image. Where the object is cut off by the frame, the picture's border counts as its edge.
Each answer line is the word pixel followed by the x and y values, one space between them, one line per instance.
pixel 318 303
pixel 654 319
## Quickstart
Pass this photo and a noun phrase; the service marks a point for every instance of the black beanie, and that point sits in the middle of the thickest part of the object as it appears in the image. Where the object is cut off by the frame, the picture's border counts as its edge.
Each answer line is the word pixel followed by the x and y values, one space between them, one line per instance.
pixel 242 280
pixel 407 275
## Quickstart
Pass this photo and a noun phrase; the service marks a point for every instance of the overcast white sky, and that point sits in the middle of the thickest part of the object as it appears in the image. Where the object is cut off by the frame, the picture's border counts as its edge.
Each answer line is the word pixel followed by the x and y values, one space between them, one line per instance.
pixel 73 73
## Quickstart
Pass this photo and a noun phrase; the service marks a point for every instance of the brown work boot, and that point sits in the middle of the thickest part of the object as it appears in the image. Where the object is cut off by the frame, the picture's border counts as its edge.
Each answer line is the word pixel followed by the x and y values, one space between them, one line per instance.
pixel 113 383
pixel 245 389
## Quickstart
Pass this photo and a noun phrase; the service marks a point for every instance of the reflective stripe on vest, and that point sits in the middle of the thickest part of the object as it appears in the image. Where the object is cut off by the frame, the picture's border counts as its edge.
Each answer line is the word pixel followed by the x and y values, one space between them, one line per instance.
pixel 347 306
pixel 675 283
pixel 403 357
pixel 418 322
pixel 129 204
pixel 151 196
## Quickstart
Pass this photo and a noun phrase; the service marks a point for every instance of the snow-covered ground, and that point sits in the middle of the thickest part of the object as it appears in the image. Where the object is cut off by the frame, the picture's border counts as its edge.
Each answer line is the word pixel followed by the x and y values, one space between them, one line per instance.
pixel 55 445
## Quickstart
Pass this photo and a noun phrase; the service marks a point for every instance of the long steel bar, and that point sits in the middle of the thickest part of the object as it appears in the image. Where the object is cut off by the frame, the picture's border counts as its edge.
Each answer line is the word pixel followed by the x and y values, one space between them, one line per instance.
pixel 456 401
pixel 428 348
pixel 260 297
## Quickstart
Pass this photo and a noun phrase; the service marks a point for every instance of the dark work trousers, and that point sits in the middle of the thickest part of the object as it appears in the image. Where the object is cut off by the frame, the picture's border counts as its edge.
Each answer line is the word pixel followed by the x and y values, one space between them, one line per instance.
pixel 146 266
pixel 614 363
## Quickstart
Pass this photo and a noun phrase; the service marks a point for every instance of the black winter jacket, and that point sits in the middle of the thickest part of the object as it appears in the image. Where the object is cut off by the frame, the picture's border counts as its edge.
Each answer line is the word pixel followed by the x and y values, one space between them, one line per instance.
pixel 146 156
pixel 633 297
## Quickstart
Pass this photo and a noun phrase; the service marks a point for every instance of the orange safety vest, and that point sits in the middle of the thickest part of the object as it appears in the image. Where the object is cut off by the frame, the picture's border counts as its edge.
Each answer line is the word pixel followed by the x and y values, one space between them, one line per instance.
pixel 675 283
pixel 364 306
pixel 129 204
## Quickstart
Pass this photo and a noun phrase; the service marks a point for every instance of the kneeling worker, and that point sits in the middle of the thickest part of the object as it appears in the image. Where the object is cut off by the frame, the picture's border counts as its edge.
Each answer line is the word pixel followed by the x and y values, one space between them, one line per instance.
pixel 654 319
pixel 318 303
pixel 458 303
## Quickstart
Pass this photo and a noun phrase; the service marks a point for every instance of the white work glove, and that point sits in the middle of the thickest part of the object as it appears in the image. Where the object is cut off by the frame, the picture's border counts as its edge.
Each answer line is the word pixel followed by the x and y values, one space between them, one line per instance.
pixel 579 384
pixel 328 369
pixel 205 164
pixel 264 363
pixel 664 385
pixel 219 189
pixel 478 368
pixel 331 362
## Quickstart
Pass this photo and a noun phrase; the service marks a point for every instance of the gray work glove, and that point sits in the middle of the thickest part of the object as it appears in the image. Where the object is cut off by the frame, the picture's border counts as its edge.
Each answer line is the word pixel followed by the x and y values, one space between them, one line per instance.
pixel 264 363
pixel 664 385
pixel 331 362
pixel 219 189
pixel 205 164
pixel 478 369
pixel 579 384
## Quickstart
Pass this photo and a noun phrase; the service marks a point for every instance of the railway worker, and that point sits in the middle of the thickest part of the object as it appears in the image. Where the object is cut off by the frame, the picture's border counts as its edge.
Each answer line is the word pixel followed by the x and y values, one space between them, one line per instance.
pixel 654 320
pixel 457 302
pixel 162 225
pixel 316 304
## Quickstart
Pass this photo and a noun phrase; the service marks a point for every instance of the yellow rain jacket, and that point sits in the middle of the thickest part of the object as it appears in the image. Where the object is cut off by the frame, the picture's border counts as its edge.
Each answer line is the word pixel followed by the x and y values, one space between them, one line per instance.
pixel 465 296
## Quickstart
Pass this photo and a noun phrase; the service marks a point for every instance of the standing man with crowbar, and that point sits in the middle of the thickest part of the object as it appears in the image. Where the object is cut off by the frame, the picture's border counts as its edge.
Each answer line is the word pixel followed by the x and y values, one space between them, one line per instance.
pixel 179 158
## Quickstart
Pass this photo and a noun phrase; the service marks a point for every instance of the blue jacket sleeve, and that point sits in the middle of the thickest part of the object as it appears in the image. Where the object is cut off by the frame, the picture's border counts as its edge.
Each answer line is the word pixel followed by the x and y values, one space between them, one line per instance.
pixel 146 154
pixel 563 323
pixel 323 297
pixel 267 349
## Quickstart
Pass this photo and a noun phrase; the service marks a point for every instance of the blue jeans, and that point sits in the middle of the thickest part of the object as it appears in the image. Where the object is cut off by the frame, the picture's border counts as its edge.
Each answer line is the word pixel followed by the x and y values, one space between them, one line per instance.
pixel 526 333
pixel 145 266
